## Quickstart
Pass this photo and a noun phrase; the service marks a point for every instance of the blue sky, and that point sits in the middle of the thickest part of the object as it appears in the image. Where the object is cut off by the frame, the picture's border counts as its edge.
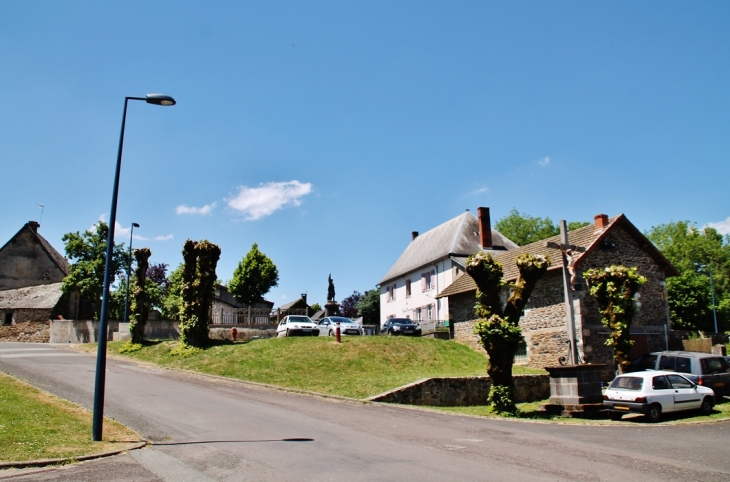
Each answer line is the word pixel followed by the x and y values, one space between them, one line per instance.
pixel 327 131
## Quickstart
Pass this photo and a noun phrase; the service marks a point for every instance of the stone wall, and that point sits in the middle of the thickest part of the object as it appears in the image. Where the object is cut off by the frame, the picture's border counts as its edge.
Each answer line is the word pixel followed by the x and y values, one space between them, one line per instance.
pixel 28 332
pixel 463 391
pixel 243 333
pixel 79 331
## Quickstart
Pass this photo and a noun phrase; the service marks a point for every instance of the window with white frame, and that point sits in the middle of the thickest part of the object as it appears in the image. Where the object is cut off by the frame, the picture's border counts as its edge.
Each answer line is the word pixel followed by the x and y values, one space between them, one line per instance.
pixel 393 291
pixel 428 280
pixel 429 312
pixel 408 288
pixel 417 314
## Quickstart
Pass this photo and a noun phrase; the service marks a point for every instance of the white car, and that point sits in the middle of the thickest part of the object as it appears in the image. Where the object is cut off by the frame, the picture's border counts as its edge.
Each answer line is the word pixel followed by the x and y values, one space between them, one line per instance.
pixel 296 325
pixel 328 326
pixel 655 392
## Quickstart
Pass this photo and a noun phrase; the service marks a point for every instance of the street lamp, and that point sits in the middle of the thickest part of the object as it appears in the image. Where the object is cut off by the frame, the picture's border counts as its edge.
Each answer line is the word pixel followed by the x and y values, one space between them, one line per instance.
pixel 98 416
pixel 129 269
pixel 712 291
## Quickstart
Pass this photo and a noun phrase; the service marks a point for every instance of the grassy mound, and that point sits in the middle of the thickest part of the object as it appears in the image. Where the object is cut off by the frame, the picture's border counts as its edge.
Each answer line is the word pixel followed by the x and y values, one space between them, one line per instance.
pixel 359 367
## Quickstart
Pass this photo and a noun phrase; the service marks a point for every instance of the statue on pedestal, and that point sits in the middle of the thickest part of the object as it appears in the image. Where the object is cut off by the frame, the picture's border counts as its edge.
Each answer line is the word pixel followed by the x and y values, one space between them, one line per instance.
pixel 331 290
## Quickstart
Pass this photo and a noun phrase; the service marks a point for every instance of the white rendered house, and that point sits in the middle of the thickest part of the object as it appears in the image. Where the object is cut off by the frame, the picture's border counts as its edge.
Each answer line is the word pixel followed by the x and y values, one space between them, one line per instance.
pixel 431 262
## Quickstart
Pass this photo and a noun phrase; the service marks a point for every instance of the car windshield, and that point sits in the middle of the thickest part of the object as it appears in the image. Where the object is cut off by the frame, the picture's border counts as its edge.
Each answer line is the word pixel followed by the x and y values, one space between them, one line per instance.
pixel 627 383
pixel 401 322
pixel 300 319
pixel 336 319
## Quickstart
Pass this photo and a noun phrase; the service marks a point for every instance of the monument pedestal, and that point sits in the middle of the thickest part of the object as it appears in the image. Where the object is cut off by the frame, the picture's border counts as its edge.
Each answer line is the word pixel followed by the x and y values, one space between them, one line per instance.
pixel 575 390
pixel 332 308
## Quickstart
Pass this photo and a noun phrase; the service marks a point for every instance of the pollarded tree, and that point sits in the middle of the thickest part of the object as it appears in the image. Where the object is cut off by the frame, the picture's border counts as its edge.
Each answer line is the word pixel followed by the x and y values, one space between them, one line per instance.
pixel 87 253
pixel 254 276
pixel 614 289
pixel 140 304
pixel 498 327
pixel 198 291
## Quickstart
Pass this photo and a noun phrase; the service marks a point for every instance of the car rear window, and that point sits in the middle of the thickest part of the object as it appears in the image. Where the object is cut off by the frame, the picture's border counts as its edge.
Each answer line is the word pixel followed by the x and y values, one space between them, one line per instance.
pixel 713 366
pixel 684 365
pixel 667 363
pixel 627 383
pixel 647 362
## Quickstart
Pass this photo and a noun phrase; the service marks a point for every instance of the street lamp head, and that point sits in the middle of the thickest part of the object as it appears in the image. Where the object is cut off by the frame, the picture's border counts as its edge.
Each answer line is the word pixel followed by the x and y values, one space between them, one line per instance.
pixel 135 225
pixel 160 99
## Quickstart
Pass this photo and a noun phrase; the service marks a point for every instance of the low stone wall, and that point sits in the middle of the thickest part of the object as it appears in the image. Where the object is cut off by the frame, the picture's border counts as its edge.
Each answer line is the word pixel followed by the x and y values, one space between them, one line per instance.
pixel 29 332
pixel 243 332
pixel 79 331
pixel 463 391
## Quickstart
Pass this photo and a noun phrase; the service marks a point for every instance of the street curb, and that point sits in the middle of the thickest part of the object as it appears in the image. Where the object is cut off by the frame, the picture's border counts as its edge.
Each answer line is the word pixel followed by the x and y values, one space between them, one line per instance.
pixel 45 462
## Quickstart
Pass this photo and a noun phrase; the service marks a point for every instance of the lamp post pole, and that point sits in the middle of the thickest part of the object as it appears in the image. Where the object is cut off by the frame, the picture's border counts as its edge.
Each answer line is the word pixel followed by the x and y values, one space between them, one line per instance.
pixel 129 269
pixel 712 291
pixel 100 379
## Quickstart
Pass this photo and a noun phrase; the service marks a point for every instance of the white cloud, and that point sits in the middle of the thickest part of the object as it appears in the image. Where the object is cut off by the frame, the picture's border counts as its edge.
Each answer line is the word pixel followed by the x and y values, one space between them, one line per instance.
pixel 544 162
pixel 480 190
pixel 167 237
pixel 258 202
pixel 207 209
pixel 723 227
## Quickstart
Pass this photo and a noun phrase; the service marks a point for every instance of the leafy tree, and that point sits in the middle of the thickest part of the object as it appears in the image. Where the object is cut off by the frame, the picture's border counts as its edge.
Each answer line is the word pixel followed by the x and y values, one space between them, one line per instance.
pixel 198 291
pixel 614 289
pixel 348 307
pixel 524 229
pixel 369 307
pixel 254 276
pixel 315 307
pixel 694 252
pixel 157 272
pixel 171 299
pixel 140 308
pixel 87 254
pixel 498 327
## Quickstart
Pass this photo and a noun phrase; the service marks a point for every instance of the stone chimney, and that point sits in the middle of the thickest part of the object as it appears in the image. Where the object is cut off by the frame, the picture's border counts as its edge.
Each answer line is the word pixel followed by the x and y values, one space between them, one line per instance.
pixel 485 228
pixel 414 235
pixel 304 297
pixel 600 221
pixel 33 225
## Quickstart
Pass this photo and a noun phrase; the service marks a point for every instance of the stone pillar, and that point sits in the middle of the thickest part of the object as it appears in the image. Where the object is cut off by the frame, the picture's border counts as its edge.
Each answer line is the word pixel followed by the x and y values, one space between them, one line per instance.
pixel 332 308
pixel 575 390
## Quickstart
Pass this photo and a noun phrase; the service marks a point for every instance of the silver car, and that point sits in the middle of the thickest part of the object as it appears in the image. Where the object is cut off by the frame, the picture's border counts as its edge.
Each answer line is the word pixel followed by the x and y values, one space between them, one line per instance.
pixel 328 326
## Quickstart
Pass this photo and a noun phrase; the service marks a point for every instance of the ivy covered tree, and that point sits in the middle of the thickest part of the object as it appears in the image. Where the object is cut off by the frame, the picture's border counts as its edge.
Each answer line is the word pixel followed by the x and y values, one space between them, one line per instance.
pixel 695 252
pixel 348 307
pixel 87 255
pixel 523 229
pixel 254 276
pixel 171 302
pixel 614 289
pixel 198 291
pixel 369 307
pixel 140 304
pixel 498 327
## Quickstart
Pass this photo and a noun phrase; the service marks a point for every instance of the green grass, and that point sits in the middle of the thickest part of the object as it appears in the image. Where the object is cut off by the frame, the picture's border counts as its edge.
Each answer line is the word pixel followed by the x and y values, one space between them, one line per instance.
pixel 530 411
pixel 36 425
pixel 359 367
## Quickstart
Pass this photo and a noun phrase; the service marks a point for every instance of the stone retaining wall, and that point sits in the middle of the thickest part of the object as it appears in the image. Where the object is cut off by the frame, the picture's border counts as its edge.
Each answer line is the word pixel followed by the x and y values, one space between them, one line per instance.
pixel 463 391
pixel 28 332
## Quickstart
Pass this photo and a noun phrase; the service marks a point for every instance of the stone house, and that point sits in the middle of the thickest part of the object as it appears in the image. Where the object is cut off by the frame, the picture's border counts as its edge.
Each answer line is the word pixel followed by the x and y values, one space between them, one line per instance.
pixel 297 307
pixel 31 275
pixel 226 310
pixel 614 241
pixel 431 262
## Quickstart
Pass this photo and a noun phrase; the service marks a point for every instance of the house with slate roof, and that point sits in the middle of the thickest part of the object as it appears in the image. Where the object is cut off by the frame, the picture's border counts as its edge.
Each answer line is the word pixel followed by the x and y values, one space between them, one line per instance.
pixel 609 241
pixel 431 262
pixel 31 275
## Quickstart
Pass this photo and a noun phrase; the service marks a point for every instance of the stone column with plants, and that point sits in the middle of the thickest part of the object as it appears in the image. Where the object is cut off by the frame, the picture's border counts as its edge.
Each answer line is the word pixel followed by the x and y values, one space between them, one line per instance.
pixel 614 288
pixel 498 327
pixel 140 307
pixel 198 290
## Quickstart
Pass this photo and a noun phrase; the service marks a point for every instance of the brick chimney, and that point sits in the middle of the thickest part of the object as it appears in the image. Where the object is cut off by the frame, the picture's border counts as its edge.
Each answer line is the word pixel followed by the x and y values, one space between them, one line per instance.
pixel 33 225
pixel 485 228
pixel 600 221
pixel 414 235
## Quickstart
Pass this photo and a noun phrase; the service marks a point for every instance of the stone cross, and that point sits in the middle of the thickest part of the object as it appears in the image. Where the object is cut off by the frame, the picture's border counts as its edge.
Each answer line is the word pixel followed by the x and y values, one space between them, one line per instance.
pixel 568 280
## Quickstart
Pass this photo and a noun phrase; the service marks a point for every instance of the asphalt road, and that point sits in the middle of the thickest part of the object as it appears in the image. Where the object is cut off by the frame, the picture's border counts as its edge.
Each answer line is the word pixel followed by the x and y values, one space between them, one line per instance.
pixel 208 429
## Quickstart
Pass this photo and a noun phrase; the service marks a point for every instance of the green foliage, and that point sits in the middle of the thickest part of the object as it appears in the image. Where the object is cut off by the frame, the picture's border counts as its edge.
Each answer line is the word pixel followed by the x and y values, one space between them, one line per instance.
pixel 348 307
pixel 184 351
pixel 130 347
pixel 87 255
pixel 524 229
pixel 369 307
pixel 140 305
pixel 498 327
pixel 315 307
pixel 171 299
pixel 694 252
pixel 198 291
pixel 254 276
pixel 501 401
pixel 614 289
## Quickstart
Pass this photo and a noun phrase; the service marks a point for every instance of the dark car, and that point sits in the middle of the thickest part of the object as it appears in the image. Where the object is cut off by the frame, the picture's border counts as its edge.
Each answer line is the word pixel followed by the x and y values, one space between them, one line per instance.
pixel 705 369
pixel 400 326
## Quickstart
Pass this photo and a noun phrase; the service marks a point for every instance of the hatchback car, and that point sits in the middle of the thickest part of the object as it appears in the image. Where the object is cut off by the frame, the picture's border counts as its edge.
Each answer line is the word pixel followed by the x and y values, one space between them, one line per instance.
pixel 653 393
pixel 400 326
pixel 704 369
pixel 296 325
pixel 328 326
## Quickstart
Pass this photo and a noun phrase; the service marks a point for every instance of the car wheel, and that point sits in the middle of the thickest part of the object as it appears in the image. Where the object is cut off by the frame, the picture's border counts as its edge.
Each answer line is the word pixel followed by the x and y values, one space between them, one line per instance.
pixel 332 333
pixel 706 407
pixel 616 416
pixel 287 332
pixel 654 414
pixel 390 332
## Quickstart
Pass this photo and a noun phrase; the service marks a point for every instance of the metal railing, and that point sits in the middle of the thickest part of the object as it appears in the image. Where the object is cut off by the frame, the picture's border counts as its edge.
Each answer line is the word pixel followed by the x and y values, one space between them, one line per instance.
pixel 242 316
